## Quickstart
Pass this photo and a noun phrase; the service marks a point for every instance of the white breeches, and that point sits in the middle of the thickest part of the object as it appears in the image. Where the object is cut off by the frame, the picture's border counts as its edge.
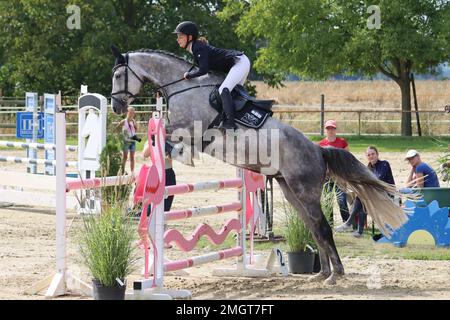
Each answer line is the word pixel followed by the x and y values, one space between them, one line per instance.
pixel 237 74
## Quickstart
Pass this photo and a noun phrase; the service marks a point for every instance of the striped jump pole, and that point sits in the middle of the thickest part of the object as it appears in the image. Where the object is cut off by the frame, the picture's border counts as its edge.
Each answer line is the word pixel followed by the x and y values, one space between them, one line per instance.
pixel 98 182
pixel 202 186
pixel 41 146
pixel 199 260
pixel 202 212
pixel 35 161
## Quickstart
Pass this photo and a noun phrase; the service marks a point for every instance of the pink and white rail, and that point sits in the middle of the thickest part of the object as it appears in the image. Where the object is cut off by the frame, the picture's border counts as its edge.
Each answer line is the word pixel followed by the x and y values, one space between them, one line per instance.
pixel 151 190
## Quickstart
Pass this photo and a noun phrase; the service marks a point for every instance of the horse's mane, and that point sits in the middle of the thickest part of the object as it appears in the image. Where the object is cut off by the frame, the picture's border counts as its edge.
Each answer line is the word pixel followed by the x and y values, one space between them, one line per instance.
pixel 173 55
pixel 167 53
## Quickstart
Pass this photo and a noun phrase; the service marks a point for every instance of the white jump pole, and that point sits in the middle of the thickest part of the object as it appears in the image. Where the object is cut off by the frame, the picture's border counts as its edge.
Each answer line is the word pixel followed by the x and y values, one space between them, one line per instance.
pixel 21 145
pixel 57 283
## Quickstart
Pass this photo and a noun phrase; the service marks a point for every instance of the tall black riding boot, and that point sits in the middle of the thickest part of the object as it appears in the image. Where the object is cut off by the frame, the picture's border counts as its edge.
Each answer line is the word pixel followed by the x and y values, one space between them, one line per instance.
pixel 228 108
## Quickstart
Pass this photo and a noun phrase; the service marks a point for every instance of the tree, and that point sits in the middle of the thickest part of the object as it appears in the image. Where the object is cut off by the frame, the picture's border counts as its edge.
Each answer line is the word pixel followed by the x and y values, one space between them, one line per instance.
pixel 39 52
pixel 321 38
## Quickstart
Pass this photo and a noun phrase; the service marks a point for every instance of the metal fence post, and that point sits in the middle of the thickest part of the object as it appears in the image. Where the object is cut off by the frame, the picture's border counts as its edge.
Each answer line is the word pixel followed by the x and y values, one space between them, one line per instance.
pixel 322 113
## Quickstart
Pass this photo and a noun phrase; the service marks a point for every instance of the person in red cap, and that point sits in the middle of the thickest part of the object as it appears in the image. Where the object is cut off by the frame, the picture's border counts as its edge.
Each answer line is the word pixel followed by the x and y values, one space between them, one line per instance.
pixel 331 140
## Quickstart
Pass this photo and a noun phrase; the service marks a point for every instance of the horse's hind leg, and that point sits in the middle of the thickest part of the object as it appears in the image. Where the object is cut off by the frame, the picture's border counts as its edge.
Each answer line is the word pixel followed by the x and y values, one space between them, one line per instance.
pixel 311 212
pixel 325 271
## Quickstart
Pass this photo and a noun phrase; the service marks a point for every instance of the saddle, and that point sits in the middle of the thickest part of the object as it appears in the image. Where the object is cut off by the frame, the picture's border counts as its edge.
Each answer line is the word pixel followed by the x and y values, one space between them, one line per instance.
pixel 250 112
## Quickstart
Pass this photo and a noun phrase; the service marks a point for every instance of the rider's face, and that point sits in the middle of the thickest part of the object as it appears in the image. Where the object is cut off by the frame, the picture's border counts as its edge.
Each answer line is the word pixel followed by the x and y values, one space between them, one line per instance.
pixel 182 40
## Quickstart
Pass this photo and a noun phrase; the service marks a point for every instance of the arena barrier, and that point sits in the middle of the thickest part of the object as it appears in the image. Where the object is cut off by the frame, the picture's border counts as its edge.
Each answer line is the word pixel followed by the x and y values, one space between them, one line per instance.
pixel 63 281
pixel 38 190
pixel 151 190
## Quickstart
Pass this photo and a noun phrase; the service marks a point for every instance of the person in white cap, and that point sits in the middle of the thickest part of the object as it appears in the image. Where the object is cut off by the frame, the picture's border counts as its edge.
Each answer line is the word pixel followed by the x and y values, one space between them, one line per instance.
pixel 421 174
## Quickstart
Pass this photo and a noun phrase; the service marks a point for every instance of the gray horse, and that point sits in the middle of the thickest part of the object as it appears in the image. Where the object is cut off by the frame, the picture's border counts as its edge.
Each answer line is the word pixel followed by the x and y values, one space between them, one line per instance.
pixel 302 165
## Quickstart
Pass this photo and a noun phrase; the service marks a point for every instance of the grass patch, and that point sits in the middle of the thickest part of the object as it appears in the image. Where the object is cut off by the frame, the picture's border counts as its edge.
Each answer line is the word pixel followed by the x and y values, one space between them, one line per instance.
pixel 348 246
pixel 365 247
pixel 394 143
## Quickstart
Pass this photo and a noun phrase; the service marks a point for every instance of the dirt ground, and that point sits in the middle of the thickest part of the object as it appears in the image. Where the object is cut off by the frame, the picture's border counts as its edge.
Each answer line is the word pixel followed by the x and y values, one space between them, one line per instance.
pixel 27 253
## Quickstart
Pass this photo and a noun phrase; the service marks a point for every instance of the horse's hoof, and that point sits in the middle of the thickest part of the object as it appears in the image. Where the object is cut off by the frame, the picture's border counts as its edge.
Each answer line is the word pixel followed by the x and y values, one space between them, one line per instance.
pixel 331 280
pixel 318 277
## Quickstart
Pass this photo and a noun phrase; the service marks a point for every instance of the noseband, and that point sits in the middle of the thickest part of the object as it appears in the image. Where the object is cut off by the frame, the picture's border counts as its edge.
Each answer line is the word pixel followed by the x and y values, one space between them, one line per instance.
pixel 127 93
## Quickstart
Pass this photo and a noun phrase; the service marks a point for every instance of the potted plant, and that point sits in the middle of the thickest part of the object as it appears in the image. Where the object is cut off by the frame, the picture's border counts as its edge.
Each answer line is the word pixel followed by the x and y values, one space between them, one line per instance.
pixel 300 242
pixel 107 240
pixel 108 248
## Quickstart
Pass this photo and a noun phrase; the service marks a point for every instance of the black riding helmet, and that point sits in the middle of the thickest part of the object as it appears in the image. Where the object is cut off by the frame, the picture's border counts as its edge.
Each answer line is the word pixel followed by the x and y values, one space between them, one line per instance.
pixel 188 28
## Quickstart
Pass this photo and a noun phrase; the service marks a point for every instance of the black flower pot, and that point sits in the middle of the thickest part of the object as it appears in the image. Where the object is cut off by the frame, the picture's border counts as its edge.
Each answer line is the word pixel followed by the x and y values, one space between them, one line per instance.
pixel 301 262
pixel 102 292
pixel 317 267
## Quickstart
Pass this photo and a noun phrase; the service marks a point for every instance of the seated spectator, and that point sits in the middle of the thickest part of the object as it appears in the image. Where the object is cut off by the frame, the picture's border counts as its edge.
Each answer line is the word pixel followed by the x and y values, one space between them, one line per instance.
pixel 421 174
pixel 332 140
pixel 382 170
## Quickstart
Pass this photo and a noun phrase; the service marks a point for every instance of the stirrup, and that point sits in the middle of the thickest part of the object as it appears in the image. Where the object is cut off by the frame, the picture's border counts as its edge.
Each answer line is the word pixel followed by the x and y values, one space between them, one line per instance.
pixel 227 126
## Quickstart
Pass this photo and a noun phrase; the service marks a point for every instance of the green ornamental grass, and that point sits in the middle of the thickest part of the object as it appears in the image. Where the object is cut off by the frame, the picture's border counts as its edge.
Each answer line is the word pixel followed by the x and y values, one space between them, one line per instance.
pixel 296 233
pixel 107 245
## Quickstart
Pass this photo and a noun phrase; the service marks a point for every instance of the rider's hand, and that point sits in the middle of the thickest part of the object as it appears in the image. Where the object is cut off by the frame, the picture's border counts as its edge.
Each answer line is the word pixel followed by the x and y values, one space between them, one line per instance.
pixel 186 75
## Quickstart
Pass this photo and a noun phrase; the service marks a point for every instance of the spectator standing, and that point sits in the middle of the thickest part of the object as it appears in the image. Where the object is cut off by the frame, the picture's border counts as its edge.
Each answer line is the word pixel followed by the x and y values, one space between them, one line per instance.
pixel 129 129
pixel 332 140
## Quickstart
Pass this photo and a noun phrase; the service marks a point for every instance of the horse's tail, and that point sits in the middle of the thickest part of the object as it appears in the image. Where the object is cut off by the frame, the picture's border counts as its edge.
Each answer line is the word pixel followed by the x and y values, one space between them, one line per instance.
pixel 351 174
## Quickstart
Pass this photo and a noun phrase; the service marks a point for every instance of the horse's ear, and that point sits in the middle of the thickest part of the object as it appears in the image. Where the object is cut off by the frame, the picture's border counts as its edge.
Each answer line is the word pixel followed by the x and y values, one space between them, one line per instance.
pixel 116 52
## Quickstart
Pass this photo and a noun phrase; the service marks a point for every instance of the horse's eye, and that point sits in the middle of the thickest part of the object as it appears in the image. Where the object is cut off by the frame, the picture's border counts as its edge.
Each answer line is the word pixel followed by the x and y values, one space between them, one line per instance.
pixel 117 76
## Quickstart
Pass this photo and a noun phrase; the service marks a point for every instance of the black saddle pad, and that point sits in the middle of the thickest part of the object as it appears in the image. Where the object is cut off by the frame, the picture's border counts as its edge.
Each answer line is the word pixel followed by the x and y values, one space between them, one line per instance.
pixel 250 112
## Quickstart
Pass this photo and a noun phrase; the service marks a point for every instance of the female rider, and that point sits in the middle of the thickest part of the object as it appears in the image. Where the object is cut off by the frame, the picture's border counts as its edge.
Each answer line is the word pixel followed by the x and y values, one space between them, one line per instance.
pixel 235 63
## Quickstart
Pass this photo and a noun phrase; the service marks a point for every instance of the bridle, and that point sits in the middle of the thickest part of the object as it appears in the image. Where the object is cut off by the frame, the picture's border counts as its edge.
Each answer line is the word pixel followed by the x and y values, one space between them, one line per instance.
pixel 127 93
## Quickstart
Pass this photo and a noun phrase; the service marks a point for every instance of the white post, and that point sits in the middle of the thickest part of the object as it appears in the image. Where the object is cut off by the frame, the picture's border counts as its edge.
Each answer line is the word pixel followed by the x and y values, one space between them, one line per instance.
pixel 31 105
pixel 243 218
pixel 58 285
pixel 159 217
pixel 84 89
pixel 60 192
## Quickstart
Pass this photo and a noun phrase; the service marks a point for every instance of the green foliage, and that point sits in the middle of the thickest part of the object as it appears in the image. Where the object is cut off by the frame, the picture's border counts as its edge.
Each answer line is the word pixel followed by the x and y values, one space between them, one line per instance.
pixel 327 201
pixel 320 38
pixel 111 165
pixel 296 233
pixel 40 53
pixel 107 245
pixel 444 167
pixel 359 144
pixel 367 248
pixel 111 156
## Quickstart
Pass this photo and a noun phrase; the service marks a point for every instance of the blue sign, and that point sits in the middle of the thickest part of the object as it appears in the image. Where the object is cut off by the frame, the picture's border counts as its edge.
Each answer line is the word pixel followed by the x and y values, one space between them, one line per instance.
pixel 24 125
pixel 49 104
pixel 49 136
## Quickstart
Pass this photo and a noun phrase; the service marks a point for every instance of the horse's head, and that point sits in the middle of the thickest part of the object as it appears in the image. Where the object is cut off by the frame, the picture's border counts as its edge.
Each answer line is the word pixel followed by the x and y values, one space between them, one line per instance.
pixel 126 82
